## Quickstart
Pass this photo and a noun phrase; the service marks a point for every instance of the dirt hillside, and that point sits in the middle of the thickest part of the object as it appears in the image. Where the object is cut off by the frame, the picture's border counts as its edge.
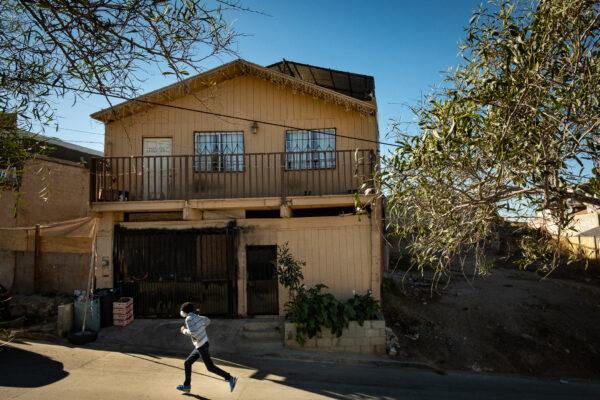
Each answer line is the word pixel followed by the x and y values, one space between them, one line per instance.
pixel 508 322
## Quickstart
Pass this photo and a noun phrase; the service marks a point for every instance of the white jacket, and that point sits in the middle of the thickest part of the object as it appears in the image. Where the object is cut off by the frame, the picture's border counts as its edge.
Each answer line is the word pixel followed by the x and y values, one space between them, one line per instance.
pixel 195 326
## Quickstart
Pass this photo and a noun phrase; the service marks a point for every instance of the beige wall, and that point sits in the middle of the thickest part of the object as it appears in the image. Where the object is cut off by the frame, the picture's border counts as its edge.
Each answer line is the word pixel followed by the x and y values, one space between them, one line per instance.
pixel 50 191
pixel 8 201
pixel 65 197
pixel 244 96
pixel 339 251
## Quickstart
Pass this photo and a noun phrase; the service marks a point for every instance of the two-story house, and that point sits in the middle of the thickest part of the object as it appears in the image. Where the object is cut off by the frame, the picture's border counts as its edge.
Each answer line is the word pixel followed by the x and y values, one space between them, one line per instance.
pixel 203 179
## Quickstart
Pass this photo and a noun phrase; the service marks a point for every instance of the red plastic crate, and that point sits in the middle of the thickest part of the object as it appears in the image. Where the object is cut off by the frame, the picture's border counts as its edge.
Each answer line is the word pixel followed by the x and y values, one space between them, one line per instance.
pixel 123 311
pixel 123 322
pixel 123 303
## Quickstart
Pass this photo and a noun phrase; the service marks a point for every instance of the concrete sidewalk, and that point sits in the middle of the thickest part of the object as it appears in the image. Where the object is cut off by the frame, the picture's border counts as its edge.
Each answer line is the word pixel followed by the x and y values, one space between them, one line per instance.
pixel 30 370
pixel 162 337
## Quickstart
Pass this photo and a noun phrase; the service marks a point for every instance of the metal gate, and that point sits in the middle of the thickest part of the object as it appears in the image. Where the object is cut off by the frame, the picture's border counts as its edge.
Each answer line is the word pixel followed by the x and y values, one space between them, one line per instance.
pixel 162 268
pixel 262 280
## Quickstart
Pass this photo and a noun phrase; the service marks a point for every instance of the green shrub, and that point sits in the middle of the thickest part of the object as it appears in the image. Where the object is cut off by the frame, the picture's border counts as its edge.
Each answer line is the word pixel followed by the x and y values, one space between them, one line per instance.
pixel 289 270
pixel 365 307
pixel 310 309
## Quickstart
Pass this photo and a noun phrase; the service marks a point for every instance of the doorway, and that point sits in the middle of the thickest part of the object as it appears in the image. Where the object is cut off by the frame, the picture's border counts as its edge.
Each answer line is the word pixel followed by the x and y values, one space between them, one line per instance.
pixel 157 167
pixel 261 280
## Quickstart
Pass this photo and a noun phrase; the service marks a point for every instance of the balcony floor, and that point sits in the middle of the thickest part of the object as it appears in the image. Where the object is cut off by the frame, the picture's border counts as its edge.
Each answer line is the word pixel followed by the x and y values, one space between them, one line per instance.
pixel 260 203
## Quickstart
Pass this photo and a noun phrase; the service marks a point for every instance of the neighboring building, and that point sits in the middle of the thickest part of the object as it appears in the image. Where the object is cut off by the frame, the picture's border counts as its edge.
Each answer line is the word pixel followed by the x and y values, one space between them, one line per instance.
pixel 52 188
pixel 582 234
pixel 193 204
pixel 585 221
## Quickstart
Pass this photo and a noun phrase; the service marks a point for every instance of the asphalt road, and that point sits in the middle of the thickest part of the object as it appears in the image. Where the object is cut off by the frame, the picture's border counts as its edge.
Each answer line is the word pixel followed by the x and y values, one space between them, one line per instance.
pixel 30 370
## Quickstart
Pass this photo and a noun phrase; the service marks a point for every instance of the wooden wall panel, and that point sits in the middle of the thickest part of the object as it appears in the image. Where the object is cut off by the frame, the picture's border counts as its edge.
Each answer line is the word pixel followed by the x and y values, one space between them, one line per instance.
pixel 337 255
pixel 247 97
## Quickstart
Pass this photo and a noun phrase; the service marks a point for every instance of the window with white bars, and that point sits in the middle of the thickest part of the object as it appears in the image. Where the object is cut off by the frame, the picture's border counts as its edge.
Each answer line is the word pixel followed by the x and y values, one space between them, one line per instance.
pixel 310 149
pixel 219 151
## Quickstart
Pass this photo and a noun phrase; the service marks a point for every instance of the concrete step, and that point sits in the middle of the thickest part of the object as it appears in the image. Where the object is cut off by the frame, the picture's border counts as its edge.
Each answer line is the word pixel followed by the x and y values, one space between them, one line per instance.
pixel 263 335
pixel 265 325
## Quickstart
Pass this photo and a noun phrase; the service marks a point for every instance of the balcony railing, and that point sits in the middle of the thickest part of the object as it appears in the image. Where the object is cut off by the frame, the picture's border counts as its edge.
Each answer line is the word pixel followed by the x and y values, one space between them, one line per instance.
pixel 231 175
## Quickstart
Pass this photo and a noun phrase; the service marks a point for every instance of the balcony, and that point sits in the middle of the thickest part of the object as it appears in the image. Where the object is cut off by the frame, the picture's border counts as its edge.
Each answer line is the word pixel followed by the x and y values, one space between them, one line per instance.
pixel 225 176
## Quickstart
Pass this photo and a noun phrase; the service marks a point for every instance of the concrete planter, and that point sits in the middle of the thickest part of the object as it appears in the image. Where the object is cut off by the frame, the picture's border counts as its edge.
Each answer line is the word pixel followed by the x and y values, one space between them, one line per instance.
pixel 366 339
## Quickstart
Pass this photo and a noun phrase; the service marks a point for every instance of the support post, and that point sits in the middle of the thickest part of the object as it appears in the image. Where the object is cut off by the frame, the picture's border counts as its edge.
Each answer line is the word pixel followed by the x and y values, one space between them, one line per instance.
pixel 36 259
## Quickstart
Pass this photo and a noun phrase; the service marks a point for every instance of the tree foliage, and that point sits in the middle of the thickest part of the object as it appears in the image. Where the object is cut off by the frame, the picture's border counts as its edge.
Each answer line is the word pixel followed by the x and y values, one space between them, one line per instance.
pixel 51 49
pixel 289 270
pixel 507 133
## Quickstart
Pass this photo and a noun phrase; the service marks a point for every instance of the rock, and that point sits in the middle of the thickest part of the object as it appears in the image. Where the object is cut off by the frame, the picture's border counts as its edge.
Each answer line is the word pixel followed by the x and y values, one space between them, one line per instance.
pixel 17 310
pixel 392 342
pixel 18 322
pixel 36 306
pixel 526 336
pixel 476 368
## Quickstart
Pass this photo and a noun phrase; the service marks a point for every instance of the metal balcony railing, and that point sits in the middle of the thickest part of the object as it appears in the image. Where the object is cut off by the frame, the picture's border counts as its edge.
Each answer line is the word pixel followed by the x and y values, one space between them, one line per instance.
pixel 219 176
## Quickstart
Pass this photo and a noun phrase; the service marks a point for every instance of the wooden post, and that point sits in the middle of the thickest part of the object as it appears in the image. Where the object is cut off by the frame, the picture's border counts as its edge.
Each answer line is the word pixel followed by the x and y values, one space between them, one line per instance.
pixel 36 260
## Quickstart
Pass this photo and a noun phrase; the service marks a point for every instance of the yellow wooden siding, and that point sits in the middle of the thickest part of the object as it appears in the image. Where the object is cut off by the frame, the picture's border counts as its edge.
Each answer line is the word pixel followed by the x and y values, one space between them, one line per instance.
pixel 337 251
pixel 247 97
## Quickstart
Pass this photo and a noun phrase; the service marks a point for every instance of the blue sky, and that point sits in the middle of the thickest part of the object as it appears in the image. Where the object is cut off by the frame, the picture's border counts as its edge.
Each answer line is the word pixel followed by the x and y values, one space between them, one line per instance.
pixel 405 45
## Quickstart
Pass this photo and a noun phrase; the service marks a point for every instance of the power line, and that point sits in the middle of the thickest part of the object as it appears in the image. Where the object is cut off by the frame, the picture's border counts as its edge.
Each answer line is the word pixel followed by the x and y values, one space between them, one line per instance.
pixel 77 130
pixel 214 113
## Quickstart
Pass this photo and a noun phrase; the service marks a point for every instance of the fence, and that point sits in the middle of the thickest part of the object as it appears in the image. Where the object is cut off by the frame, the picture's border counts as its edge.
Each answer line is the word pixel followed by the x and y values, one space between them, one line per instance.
pixel 587 247
pixel 163 268
pixel 231 175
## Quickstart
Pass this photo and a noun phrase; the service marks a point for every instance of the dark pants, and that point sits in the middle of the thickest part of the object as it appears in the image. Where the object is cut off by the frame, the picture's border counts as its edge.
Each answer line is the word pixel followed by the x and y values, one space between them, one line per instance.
pixel 202 351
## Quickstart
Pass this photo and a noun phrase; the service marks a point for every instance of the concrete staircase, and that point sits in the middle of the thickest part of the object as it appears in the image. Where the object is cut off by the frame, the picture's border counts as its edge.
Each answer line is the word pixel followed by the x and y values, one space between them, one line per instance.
pixel 264 329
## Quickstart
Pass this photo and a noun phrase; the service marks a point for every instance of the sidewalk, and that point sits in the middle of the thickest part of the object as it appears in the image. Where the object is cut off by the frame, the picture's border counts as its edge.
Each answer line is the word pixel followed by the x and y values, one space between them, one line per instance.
pixel 162 337
pixel 30 370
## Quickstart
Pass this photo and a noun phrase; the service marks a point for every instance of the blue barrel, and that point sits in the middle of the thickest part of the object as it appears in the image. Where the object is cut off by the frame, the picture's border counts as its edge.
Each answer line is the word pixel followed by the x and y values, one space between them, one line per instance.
pixel 92 318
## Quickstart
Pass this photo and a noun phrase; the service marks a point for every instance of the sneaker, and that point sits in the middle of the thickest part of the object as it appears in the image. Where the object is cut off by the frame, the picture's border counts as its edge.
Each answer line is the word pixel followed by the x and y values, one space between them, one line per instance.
pixel 232 381
pixel 184 388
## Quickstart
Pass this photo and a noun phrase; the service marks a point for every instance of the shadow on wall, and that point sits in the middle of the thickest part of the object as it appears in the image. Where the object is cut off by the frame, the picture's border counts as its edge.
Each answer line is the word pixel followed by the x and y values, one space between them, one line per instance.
pixel 25 369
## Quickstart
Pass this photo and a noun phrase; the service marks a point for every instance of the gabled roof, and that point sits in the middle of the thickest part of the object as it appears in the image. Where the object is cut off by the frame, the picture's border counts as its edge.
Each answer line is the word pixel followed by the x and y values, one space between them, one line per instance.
pixel 222 73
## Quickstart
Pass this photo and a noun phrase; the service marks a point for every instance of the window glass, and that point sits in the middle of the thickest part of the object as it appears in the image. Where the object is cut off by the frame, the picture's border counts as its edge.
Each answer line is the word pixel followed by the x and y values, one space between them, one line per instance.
pixel 219 151
pixel 310 149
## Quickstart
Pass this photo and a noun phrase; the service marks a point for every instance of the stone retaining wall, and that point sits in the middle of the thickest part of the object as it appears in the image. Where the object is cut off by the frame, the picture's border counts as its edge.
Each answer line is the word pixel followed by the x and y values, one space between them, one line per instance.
pixel 366 339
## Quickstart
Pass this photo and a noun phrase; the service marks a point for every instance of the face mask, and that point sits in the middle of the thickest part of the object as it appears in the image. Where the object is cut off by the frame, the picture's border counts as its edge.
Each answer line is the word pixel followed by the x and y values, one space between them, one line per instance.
pixel 183 314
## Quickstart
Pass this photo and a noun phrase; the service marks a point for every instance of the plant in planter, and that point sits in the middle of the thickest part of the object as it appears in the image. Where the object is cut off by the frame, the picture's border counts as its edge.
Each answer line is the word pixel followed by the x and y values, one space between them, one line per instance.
pixel 365 307
pixel 310 309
